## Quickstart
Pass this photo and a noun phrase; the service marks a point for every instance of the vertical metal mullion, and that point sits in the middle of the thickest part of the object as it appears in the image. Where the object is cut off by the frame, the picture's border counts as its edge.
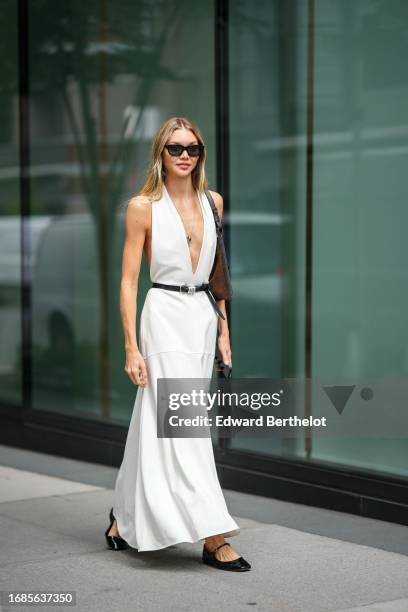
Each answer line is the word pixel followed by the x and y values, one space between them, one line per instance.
pixel 222 98
pixel 222 134
pixel 24 155
pixel 309 220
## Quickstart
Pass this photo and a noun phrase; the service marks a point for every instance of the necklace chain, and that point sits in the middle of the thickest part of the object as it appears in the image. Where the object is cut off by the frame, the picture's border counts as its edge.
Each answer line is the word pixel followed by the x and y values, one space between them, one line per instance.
pixel 189 234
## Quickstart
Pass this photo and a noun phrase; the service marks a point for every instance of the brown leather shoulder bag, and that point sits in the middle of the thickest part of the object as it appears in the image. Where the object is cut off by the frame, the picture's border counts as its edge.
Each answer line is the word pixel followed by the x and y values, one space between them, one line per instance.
pixel 219 280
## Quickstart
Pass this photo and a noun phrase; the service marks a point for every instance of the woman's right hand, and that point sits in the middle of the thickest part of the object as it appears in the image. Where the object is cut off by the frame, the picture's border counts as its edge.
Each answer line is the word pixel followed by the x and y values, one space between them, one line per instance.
pixel 135 368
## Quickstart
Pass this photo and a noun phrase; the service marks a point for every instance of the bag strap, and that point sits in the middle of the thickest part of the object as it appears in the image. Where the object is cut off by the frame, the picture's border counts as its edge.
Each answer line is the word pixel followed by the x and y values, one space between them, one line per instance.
pixel 215 211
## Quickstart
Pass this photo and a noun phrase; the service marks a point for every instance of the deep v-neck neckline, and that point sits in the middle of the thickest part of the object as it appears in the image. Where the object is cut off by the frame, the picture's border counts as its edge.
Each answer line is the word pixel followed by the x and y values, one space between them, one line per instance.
pixel 173 206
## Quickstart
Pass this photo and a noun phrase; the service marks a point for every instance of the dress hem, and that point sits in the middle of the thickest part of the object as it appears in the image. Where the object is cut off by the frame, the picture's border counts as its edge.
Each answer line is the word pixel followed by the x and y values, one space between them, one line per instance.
pixel 226 534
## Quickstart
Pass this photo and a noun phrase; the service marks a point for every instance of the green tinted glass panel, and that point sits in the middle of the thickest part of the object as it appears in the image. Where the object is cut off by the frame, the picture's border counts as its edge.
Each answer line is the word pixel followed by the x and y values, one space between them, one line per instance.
pixel 10 222
pixel 104 75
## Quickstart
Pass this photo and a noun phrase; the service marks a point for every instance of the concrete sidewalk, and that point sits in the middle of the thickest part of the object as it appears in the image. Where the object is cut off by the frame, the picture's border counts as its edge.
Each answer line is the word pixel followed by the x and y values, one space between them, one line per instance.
pixel 54 512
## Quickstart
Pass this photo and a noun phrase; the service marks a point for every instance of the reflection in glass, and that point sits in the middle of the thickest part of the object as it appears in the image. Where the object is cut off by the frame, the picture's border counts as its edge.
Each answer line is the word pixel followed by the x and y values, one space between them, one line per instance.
pixel 10 226
pixel 103 76
pixel 267 220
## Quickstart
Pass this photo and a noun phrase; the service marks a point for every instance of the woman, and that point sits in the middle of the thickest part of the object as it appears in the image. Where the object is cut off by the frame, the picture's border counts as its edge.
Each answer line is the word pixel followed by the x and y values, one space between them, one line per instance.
pixel 167 489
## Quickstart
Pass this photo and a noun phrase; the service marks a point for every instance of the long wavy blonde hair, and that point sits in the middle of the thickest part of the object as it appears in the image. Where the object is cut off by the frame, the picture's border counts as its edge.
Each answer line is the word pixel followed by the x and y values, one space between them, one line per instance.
pixel 153 185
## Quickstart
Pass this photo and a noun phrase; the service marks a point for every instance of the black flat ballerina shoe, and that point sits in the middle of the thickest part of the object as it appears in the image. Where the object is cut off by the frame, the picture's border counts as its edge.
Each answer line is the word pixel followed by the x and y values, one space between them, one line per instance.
pixel 114 542
pixel 236 565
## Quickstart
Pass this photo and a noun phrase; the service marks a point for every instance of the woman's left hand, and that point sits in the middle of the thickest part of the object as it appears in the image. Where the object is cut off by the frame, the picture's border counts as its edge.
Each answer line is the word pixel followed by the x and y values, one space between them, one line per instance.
pixel 225 348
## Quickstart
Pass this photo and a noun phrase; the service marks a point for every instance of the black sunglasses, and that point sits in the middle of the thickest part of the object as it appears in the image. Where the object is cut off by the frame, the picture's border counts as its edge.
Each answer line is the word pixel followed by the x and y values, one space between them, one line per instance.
pixel 177 149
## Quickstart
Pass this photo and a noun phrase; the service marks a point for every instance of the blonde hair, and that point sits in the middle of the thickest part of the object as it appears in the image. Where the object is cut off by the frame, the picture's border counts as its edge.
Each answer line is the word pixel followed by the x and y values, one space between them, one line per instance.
pixel 153 185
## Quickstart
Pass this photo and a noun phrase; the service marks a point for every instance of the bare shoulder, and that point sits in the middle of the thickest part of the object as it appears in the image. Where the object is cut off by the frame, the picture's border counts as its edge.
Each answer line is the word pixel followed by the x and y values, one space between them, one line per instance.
pixel 218 201
pixel 139 211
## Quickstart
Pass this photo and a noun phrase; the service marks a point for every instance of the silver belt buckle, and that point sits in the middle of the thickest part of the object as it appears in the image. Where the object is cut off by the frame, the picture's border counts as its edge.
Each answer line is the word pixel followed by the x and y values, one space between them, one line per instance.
pixel 190 289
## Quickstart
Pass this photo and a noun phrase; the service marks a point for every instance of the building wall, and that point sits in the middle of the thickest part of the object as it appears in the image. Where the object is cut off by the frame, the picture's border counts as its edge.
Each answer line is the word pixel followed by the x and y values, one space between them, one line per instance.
pixel 302 105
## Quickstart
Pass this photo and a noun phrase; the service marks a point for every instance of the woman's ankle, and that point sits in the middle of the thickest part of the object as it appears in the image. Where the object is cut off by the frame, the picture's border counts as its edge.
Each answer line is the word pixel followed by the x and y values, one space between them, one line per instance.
pixel 114 529
pixel 214 541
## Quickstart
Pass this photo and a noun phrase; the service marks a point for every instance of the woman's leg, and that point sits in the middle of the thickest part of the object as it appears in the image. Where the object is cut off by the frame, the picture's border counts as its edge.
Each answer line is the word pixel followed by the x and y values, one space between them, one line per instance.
pixel 114 529
pixel 226 553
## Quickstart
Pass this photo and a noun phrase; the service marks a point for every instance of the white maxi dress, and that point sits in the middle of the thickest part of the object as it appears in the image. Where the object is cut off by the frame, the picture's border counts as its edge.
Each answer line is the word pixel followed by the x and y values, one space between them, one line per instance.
pixel 167 489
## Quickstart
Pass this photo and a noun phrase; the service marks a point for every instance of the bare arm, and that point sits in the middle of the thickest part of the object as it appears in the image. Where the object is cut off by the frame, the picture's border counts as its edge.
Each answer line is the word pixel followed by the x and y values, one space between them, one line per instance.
pixel 137 223
pixel 223 329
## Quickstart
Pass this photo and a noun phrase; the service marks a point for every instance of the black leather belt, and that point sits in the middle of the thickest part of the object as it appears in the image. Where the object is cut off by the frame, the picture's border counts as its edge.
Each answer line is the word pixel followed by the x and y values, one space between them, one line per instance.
pixel 191 289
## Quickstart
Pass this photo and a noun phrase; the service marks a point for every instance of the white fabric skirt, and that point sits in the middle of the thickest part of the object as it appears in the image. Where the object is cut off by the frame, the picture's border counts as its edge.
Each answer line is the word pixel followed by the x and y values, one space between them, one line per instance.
pixel 167 489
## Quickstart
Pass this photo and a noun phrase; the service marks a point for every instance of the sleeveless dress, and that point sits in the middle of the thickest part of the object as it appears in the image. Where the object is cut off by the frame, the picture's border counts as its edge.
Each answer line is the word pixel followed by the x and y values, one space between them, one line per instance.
pixel 167 489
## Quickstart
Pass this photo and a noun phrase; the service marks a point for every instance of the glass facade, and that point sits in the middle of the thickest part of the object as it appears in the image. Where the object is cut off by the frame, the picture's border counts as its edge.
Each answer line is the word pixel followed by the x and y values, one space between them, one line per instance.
pixel 315 130
pixel 10 221
pixel 103 76
pixel 359 195
pixel 268 105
